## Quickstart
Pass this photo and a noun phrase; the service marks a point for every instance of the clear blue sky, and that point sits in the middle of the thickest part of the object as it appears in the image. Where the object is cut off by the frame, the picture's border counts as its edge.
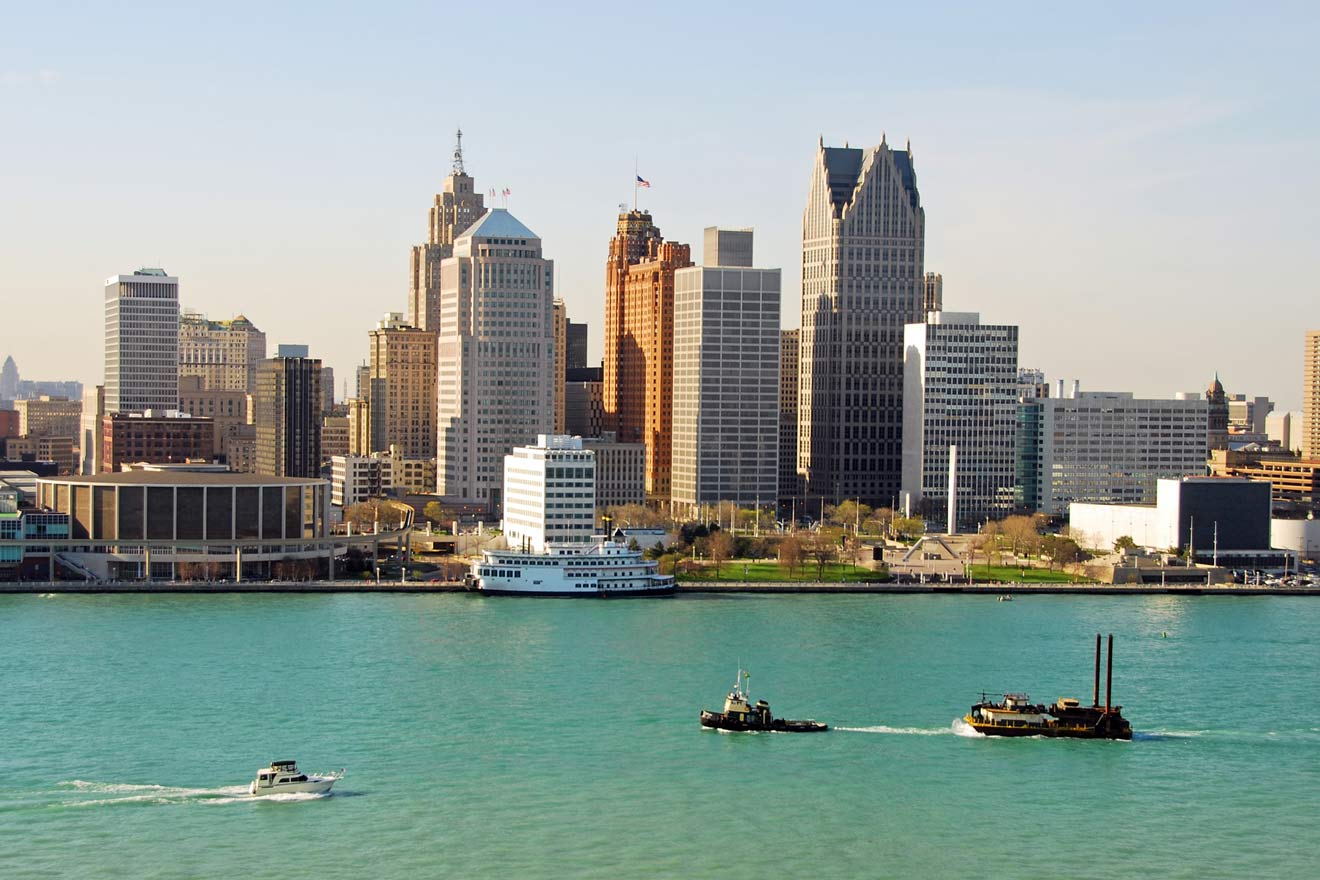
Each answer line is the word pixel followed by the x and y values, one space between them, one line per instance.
pixel 1136 187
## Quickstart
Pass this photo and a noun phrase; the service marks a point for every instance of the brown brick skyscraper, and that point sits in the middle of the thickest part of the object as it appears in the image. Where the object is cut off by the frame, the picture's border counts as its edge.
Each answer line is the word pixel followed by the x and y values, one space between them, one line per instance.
pixel 639 341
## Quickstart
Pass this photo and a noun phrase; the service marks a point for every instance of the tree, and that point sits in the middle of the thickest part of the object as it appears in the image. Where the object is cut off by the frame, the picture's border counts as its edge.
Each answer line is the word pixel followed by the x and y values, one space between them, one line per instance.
pixel 878 522
pixel 364 516
pixel 1022 532
pixel 909 526
pixel 437 513
pixel 821 548
pixel 848 514
pixel 790 553
pixel 1124 544
pixel 721 549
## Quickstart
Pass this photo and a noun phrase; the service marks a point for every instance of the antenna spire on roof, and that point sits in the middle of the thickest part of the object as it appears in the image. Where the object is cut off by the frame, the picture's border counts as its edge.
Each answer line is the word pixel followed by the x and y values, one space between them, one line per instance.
pixel 458 153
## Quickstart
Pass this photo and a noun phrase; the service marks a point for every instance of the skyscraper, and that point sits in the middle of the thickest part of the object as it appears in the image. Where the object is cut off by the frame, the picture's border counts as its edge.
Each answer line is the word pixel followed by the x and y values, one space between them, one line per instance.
pixel 1311 397
pixel 863 246
pixel 455 208
pixel 224 354
pixel 789 351
pixel 561 361
pixel 933 298
pixel 9 379
pixel 576 357
pixel 288 414
pixel 496 349
pixel 403 395
pixel 639 341
pixel 726 379
pixel 141 342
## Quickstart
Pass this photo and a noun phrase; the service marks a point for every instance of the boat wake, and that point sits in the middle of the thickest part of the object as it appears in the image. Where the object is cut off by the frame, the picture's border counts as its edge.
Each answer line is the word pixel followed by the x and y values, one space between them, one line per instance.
pixel 108 793
pixel 901 731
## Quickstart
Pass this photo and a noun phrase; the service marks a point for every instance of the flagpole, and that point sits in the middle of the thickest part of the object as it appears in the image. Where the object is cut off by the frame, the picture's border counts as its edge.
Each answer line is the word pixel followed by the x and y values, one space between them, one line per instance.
pixel 635 176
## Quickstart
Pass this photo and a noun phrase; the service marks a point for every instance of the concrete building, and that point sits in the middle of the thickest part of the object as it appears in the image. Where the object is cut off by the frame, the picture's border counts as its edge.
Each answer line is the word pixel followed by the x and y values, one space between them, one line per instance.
pixel 620 470
pixel 49 417
pixel 223 355
pixel 456 207
pixel 496 350
pixel 584 402
pixel 1217 434
pixel 227 408
pixel 1105 447
pixel 1299 536
pixel 863 280
pixel 240 450
pixel 327 390
pixel 960 390
pixel 549 494
pixel 141 342
pixel 334 436
pixel 1311 397
pixel 1031 384
pixel 1285 429
pixel 287 414
pixel 725 431
pixel 90 439
pixel 561 361
pixel 1221 521
pixel 157 438
pixel 789 351
pixel 358 478
pixel 359 426
pixel 1248 415
pixel 639 341
pixel 1295 482
pixel 403 391
pixel 932 293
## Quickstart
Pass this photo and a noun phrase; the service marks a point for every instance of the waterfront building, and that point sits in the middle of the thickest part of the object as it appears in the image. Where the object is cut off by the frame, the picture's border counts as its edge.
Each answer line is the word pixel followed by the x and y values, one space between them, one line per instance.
pixel 584 402
pixel 639 341
pixel 456 207
pixel 620 470
pixel 549 494
pixel 1105 447
pixel 47 416
pixel 932 293
pixel 1311 397
pixel 155 437
pixel 496 350
pixel 222 354
pixel 141 342
pixel 789 352
pixel 287 414
pixel 863 280
pixel 960 389
pixel 561 361
pixel 1295 482
pixel 358 478
pixel 403 390
pixel 725 429
pixel 1285 429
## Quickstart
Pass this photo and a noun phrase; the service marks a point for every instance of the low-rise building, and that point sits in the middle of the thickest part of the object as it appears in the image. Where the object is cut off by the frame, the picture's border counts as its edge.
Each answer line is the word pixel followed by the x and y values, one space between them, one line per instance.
pixel 358 478
pixel 549 494
pixel 150 436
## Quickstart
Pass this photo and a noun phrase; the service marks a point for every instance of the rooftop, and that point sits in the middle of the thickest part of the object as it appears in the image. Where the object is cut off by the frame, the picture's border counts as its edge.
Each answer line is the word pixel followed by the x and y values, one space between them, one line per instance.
pixel 498 223
pixel 177 478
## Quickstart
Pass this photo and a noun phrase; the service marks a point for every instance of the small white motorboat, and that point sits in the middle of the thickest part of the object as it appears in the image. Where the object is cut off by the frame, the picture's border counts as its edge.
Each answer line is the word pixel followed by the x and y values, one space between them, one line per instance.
pixel 283 777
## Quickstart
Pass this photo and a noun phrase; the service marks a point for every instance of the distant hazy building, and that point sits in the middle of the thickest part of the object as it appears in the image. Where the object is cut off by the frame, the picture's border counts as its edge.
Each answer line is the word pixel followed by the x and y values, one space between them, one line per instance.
pixel 1248 415
pixel 223 354
pixel 960 390
pixel 327 389
pixel 576 334
pixel 1311 397
pixel 403 391
pixel 789 343
pixel 933 293
pixel 639 341
pixel 1031 384
pixel 9 379
pixel 620 470
pixel 725 435
pixel 1106 447
pixel 287 414
pixel 49 417
pixel 584 402
pixel 496 350
pixel 141 342
pixel 1285 428
pixel 456 207
pixel 154 437
pixel 863 251
pixel 549 494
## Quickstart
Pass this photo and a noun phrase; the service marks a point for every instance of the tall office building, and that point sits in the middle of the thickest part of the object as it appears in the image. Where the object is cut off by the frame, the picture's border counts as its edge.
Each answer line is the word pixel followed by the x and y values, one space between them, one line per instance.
pixel 584 410
pixel 960 389
pixel 789 342
pixel 1311 397
pixel 863 246
pixel 639 341
pixel 496 348
pixel 456 207
pixel 141 342
pixel 403 394
pixel 288 414
pixel 90 433
pixel 561 361
pixel 725 438
pixel 933 293
pixel 576 335
pixel 9 380
pixel 223 354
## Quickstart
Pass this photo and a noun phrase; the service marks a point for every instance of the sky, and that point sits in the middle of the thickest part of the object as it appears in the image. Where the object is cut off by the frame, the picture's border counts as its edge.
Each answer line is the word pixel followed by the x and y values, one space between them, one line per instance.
pixel 1135 187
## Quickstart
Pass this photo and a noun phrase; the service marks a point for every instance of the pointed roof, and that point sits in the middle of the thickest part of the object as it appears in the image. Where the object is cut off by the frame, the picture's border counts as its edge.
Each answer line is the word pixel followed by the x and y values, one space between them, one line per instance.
pixel 498 223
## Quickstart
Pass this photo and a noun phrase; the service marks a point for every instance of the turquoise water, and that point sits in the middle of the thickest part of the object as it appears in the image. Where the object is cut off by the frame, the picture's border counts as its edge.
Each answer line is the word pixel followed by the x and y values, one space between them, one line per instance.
pixel 491 737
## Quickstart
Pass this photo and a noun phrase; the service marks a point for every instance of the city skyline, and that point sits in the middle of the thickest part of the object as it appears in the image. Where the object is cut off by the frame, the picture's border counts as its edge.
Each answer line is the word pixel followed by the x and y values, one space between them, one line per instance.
pixel 1107 185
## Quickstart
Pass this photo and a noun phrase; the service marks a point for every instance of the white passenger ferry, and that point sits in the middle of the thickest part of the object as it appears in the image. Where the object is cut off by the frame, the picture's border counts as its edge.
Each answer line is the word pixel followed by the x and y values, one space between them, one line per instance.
pixel 606 568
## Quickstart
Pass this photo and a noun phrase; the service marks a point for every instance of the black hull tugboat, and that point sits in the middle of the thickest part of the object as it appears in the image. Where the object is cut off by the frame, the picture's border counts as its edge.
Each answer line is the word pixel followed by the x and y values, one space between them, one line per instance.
pixel 1016 715
pixel 740 715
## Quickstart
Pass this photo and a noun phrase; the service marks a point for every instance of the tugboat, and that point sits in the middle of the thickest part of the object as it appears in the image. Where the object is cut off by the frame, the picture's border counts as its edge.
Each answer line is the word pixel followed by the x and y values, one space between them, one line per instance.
pixel 1016 715
pixel 282 777
pixel 739 714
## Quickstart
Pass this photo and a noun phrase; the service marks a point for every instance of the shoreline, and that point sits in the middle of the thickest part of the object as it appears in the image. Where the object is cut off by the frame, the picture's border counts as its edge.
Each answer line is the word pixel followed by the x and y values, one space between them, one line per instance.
pixel 694 589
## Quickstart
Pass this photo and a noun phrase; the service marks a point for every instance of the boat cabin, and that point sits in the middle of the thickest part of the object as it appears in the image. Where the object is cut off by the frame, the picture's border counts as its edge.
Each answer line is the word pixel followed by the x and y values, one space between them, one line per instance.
pixel 279 773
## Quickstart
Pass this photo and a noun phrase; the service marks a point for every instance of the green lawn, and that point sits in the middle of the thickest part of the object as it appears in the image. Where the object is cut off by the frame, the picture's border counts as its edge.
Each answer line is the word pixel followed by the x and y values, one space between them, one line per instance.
pixel 1019 575
pixel 773 572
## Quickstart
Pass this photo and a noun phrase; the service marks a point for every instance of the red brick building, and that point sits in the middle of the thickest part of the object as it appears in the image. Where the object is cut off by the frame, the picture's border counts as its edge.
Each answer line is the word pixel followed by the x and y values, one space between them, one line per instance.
pixel 129 438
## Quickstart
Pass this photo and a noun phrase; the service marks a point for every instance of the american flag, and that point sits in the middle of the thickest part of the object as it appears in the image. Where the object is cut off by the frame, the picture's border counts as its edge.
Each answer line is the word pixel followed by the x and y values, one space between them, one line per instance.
pixel 641 182
pixel 507 192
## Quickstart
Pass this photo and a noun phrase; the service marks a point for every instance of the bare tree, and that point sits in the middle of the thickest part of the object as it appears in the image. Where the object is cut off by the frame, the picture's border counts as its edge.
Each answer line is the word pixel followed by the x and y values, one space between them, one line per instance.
pixel 790 553
pixel 720 545
pixel 822 548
